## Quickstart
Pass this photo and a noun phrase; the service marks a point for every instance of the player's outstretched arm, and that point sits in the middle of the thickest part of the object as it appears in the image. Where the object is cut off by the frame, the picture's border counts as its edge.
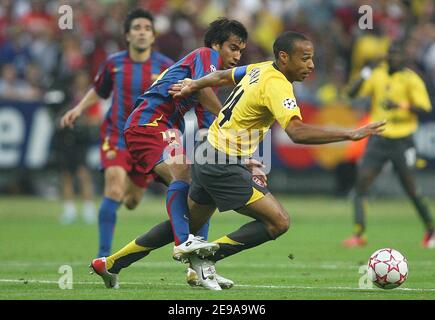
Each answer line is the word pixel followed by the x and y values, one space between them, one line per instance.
pixel 209 100
pixel 186 87
pixel 88 100
pixel 303 133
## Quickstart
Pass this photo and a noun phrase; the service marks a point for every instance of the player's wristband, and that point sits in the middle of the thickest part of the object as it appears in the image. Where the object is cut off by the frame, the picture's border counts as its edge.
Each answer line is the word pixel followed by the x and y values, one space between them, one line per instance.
pixel 366 73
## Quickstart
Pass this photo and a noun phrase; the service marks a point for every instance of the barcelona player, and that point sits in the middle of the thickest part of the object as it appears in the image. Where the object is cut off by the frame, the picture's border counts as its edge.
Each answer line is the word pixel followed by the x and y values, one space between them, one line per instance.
pixel 126 75
pixel 152 135
pixel 399 95
pixel 263 95
pixel 152 130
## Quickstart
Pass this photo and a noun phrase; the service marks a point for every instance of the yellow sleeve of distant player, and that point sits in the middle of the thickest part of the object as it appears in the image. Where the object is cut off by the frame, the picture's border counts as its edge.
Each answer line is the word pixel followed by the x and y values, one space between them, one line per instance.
pixel 280 100
pixel 418 93
pixel 367 86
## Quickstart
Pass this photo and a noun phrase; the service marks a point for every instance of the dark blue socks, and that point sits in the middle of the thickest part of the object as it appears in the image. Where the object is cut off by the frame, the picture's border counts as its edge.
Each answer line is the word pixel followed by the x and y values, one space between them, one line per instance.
pixel 106 224
pixel 178 211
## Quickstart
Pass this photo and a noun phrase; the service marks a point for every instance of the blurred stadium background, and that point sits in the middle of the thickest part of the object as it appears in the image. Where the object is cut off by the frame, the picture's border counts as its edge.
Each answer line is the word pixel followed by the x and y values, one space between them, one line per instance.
pixel 45 70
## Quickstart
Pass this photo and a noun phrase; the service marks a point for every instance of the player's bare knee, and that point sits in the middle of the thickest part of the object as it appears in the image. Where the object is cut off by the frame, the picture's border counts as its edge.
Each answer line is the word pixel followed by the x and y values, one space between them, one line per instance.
pixel 114 183
pixel 132 198
pixel 114 192
pixel 284 224
pixel 280 225
pixel 131 202
pixel 181 173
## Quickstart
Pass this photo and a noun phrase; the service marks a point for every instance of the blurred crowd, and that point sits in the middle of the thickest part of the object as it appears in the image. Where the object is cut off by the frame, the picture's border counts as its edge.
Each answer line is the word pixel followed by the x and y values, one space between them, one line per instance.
pixel 35 53
pixel 39 59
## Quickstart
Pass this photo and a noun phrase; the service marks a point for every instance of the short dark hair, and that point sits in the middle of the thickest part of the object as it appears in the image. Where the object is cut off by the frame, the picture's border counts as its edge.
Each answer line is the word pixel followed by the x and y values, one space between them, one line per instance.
pixel 134 14
pixel 285 42
pixel 396 46
pixel 221 29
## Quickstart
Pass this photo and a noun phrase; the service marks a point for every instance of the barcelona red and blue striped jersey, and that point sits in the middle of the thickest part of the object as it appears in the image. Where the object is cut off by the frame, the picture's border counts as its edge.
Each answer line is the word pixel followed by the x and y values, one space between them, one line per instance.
pixel 127 80
pixel 162 107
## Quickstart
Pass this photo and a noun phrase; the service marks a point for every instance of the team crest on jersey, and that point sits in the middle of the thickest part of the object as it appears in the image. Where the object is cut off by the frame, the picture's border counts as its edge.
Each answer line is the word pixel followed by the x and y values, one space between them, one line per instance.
pixel 171 138
pixel 289 103
pixel 111 154
pixel 212 68
pixel 258 181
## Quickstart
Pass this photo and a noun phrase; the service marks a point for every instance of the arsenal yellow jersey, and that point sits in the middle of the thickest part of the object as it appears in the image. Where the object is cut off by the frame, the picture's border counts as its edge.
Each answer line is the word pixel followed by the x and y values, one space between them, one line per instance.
pixel 404 88
pixel 262 95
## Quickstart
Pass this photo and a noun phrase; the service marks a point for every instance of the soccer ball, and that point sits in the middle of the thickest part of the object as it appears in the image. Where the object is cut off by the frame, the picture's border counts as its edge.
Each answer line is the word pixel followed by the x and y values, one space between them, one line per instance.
pixel 387 268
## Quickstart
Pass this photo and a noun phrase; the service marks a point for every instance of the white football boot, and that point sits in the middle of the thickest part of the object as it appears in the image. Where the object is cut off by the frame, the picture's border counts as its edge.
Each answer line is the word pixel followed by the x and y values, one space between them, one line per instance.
pixel 206 273
pixel 196 245
pixel 99 267
pixel 193 281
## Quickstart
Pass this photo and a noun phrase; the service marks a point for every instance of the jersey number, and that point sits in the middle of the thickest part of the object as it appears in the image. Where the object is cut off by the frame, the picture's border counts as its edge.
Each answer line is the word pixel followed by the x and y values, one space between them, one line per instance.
pixel 230 103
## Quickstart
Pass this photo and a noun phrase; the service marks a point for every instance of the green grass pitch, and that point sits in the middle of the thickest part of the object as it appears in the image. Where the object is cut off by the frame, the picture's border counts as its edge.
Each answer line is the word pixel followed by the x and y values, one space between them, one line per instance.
pixel 307 262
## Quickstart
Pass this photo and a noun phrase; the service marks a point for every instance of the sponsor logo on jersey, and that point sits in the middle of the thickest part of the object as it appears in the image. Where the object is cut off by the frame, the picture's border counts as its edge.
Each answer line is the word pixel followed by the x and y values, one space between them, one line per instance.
pixel 111 154
pixel 170 136
pixel 258 181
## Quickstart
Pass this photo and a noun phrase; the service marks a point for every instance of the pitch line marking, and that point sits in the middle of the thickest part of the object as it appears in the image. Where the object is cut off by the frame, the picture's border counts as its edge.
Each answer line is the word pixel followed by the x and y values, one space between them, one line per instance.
pixel 248 286
pixel 154 264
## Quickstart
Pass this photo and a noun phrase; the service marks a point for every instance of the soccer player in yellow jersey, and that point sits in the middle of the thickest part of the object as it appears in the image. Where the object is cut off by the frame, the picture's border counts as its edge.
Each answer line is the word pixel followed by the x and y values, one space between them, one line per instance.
pixel 263 95
pixel 399 95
